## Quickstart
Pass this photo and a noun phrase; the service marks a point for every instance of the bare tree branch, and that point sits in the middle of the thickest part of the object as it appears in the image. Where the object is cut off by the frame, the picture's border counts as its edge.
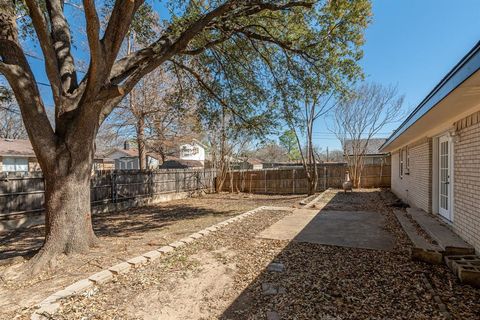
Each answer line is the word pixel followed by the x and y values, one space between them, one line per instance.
pixel 51 62
pixel 60 33
pixel 117 28
pixel 360 117
pixel 14 66
pixel 96 49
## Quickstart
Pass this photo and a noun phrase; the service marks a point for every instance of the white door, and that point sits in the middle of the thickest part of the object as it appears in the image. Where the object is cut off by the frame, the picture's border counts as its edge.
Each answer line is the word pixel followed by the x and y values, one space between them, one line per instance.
pixel 444 167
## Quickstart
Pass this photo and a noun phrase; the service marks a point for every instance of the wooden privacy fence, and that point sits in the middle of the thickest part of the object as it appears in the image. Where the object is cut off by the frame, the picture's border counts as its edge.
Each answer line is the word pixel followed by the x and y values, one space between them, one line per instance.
pixel 25 194
pixel 294 180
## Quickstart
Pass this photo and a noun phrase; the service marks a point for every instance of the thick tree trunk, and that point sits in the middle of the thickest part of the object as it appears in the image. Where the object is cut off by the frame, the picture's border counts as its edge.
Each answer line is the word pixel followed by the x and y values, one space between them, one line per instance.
pixel 67 204
pixel 68 223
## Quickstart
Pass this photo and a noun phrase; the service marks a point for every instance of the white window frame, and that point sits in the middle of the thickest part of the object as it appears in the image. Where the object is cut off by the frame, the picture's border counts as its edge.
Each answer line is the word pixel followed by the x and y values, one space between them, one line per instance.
pixel 400 164
pixel 16 164
pixel 407 160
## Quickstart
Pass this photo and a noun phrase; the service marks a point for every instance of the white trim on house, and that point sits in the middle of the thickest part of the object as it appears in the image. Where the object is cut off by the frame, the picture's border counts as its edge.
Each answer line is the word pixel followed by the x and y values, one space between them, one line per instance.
pixel 455 116
pixel 434 186
pixel 449 217
pixel 444 167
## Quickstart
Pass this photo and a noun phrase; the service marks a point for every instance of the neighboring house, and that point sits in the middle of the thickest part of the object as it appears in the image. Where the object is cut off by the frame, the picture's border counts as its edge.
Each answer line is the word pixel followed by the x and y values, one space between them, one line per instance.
pixel 193 151
pixel 373 155
pixel 255 164
pixel 173 163
pixel 127 158
pixel 436 151
pixel 17 156
pixel 103 163
pixel 247 164
pixel 191 156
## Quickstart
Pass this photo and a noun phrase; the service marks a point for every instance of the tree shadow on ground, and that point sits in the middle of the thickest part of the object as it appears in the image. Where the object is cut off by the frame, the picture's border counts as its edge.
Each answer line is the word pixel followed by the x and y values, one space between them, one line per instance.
pixel 127 223
pixel 137 221
pixel 332 282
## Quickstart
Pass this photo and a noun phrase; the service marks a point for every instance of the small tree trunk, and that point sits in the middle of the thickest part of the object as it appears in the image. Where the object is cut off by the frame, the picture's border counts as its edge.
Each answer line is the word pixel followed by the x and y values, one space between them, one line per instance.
pixel 142 152
pixel 311 186
pixel 310 180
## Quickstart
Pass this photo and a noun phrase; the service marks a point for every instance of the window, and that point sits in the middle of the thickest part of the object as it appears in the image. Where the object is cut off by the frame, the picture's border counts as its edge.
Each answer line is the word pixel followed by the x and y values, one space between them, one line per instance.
pixel 400 164
pixel 11 164
pixel 407 161
pixel 189 151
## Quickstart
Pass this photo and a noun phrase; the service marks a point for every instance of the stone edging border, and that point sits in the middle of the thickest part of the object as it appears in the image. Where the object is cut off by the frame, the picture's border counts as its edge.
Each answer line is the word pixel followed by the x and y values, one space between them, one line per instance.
pixel 312 203
pixel 442 308
pixel 51 304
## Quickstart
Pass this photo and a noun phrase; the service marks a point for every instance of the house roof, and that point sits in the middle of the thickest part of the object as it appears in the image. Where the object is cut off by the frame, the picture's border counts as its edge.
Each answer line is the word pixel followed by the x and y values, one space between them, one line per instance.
pixel 19 148
pixel 181 164
pixel 126 152
pixel 194 141
pixel 373 146
pixel 23 148
pixel 463 70
pixel 132 153
pixel 199 143
pixel 253 161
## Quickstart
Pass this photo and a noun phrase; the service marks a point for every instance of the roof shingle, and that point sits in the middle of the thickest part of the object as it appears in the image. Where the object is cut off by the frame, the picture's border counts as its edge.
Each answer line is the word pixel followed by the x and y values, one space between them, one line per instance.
pixel 19 148
pixel 373 146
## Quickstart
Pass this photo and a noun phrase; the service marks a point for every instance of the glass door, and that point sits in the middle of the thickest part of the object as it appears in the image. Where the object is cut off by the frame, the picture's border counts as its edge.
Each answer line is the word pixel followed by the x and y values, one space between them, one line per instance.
pixel 444 167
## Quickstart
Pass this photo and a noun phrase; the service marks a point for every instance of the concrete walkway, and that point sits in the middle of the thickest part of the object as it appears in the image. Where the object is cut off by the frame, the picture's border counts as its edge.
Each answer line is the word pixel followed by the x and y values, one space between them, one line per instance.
pixel 355 229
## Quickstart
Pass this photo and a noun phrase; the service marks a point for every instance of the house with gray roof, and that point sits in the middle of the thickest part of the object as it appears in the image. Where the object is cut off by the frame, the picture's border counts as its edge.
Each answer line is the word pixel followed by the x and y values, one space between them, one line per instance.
pixel 17 156
pixel 371 148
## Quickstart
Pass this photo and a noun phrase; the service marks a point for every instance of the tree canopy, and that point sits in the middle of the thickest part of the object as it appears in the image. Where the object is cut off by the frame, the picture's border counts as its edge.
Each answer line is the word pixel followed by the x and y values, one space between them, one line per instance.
pixel 240 57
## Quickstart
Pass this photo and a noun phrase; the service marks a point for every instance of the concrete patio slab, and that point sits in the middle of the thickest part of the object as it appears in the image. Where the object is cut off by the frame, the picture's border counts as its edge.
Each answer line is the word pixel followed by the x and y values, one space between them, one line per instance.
pixel 354 229
pixel 445 237
pixel 288 227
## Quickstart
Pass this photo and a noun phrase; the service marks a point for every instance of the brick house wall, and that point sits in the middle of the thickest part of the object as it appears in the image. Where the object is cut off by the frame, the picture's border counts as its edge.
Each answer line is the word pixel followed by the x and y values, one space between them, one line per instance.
pixel 415 186
pixel 466 217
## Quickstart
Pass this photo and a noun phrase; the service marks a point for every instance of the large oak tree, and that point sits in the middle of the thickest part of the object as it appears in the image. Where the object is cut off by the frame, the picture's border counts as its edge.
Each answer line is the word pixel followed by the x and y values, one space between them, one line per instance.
pixel 283 36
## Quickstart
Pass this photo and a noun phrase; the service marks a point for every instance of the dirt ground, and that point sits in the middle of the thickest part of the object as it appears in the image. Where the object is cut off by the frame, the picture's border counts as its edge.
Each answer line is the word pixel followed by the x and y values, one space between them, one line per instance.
pixel 123 235
pixel 220 276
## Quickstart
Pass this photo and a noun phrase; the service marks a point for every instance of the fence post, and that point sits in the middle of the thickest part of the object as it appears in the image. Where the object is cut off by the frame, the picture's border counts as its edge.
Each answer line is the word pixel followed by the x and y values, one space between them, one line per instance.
pixel 265 176
pixel 198 181
pixel 114 186
pixel 176 181
pixel 151 186
pixel 185 180
pixel 293 181
pixel 325 178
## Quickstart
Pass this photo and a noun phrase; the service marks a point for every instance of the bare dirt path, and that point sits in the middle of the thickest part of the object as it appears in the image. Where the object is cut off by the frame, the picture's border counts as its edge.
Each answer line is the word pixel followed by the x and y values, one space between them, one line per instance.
pixel 221 276
pixel 124 235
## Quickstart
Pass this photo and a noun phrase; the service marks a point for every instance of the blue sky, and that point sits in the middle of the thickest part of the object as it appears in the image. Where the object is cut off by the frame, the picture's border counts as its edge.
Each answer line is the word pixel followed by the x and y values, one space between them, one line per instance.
pixel 412 44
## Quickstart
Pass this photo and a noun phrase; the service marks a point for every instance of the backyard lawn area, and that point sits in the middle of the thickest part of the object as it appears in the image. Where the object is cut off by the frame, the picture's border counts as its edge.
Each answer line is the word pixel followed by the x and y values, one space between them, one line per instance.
pixel 123 235
pixel 228 274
